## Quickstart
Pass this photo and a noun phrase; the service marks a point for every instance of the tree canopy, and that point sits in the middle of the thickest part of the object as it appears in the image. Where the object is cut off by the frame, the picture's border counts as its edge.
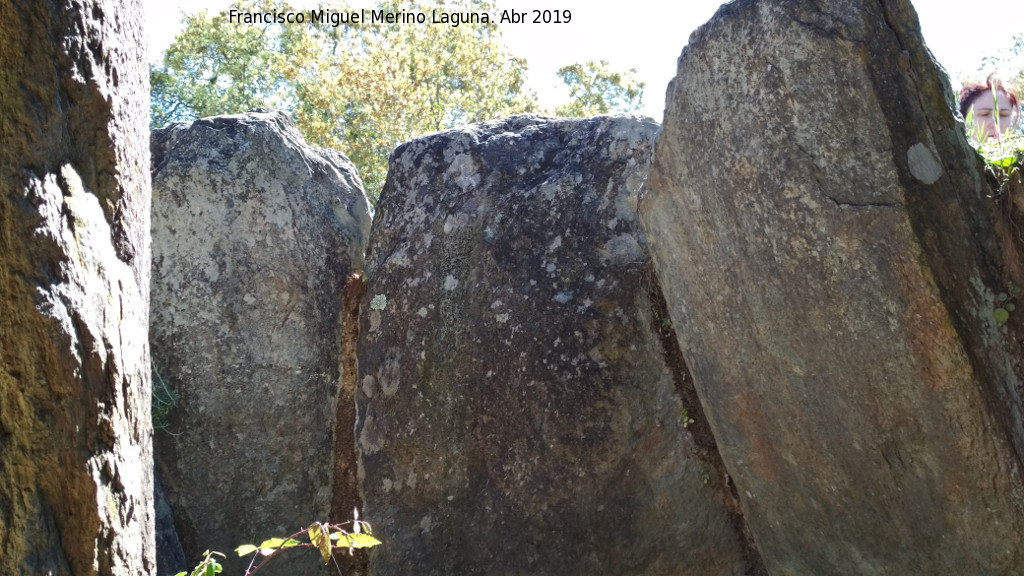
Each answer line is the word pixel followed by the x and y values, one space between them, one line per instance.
pixel 363 88
pixel 597 89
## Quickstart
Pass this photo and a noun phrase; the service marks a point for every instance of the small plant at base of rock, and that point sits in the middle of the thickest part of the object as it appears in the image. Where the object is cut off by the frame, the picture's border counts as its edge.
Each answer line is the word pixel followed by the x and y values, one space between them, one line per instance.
pixel 705 475
pixel 684 416
pixel 326 538
pixel 207 567
pixel 1007 303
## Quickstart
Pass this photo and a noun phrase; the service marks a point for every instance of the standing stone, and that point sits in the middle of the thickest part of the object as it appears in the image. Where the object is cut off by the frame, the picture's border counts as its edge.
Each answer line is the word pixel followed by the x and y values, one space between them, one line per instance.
pixel 254 234
pixel 75 434
pixel 821 232
pixel 516 414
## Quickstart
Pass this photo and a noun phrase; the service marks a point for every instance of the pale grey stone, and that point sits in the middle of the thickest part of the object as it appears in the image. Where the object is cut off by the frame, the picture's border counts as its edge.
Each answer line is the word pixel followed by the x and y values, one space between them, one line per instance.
pixel 254 237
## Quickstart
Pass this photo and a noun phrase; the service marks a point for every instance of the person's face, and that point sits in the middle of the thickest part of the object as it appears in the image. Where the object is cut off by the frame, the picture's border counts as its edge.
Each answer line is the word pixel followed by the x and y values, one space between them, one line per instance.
pixel 986 111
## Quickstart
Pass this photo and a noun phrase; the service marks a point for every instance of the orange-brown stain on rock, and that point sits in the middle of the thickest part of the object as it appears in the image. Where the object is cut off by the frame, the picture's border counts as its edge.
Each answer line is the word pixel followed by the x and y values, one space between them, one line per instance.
pixel 346 491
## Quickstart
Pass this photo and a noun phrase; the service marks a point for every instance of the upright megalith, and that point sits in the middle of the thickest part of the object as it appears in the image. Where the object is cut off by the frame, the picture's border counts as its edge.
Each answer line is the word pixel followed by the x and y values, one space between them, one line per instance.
pixel 254 236
pixel 821 232
pixel 516 413
pixel 75 435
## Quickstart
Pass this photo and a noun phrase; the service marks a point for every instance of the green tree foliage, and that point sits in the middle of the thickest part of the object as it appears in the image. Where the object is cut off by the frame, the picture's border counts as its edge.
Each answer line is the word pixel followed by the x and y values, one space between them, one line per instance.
pixel 359 88
pixel 216 68
pixel 366 89
pixel 596 89
pixel 363 88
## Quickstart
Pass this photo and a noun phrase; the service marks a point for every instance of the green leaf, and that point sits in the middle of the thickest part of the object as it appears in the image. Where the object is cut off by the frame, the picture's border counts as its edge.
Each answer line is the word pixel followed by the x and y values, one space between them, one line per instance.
pixel 271 543
pixel 245 550
pixel 1014 289
pixel 1003 297
pixel 357 541
pixel 1010 307
pixel 1004 162
pixel 1001 315
pixel 319 537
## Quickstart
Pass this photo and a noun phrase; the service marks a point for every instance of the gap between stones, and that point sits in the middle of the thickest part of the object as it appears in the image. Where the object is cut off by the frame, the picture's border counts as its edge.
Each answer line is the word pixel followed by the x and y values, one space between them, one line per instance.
pixel 700 429
pixel 345 489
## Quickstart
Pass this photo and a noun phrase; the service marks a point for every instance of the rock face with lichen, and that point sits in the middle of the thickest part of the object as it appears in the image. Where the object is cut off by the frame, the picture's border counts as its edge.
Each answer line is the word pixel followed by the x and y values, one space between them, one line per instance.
pixel 821 231
pixel 516 411
pixel 75 435
pixel 254 236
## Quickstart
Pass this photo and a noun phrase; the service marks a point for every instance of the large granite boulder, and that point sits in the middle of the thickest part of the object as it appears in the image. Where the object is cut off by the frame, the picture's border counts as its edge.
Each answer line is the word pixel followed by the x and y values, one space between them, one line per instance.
pixel 821 231
pixel 254 236
pixel 516 411
pixel 75 434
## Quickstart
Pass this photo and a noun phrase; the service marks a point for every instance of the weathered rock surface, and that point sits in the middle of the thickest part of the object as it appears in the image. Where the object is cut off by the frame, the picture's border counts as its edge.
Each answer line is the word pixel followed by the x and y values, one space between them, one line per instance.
pixel 75 433
pixel 254 234
pixel 820 228
pixel 516 414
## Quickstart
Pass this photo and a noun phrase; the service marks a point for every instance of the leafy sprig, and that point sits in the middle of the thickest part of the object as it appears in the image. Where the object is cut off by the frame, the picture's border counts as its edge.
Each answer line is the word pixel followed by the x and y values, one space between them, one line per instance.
pixel 325 538
pixel 209 566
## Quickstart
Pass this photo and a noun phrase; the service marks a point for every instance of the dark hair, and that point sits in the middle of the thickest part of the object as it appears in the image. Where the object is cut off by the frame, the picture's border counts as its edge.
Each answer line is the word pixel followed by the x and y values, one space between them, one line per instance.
pixel 970 92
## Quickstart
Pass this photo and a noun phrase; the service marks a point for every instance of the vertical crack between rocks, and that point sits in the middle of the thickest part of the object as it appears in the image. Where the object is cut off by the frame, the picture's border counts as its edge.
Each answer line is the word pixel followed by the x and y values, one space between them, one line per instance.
pixel 345 495
pixel 700 429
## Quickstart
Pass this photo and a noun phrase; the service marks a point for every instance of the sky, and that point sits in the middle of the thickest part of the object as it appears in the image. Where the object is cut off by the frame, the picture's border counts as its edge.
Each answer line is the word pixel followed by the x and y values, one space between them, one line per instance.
pixel 648 35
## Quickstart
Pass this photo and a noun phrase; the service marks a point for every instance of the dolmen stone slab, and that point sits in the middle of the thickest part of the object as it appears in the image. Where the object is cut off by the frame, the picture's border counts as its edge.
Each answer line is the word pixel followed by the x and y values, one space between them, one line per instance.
pixel 76 464
pixel 254 236
pixel 823 237
pixel 516 413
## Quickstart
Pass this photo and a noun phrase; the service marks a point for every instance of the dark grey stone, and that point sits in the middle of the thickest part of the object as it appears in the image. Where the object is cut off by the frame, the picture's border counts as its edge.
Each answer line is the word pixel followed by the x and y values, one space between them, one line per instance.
pixel 516 414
